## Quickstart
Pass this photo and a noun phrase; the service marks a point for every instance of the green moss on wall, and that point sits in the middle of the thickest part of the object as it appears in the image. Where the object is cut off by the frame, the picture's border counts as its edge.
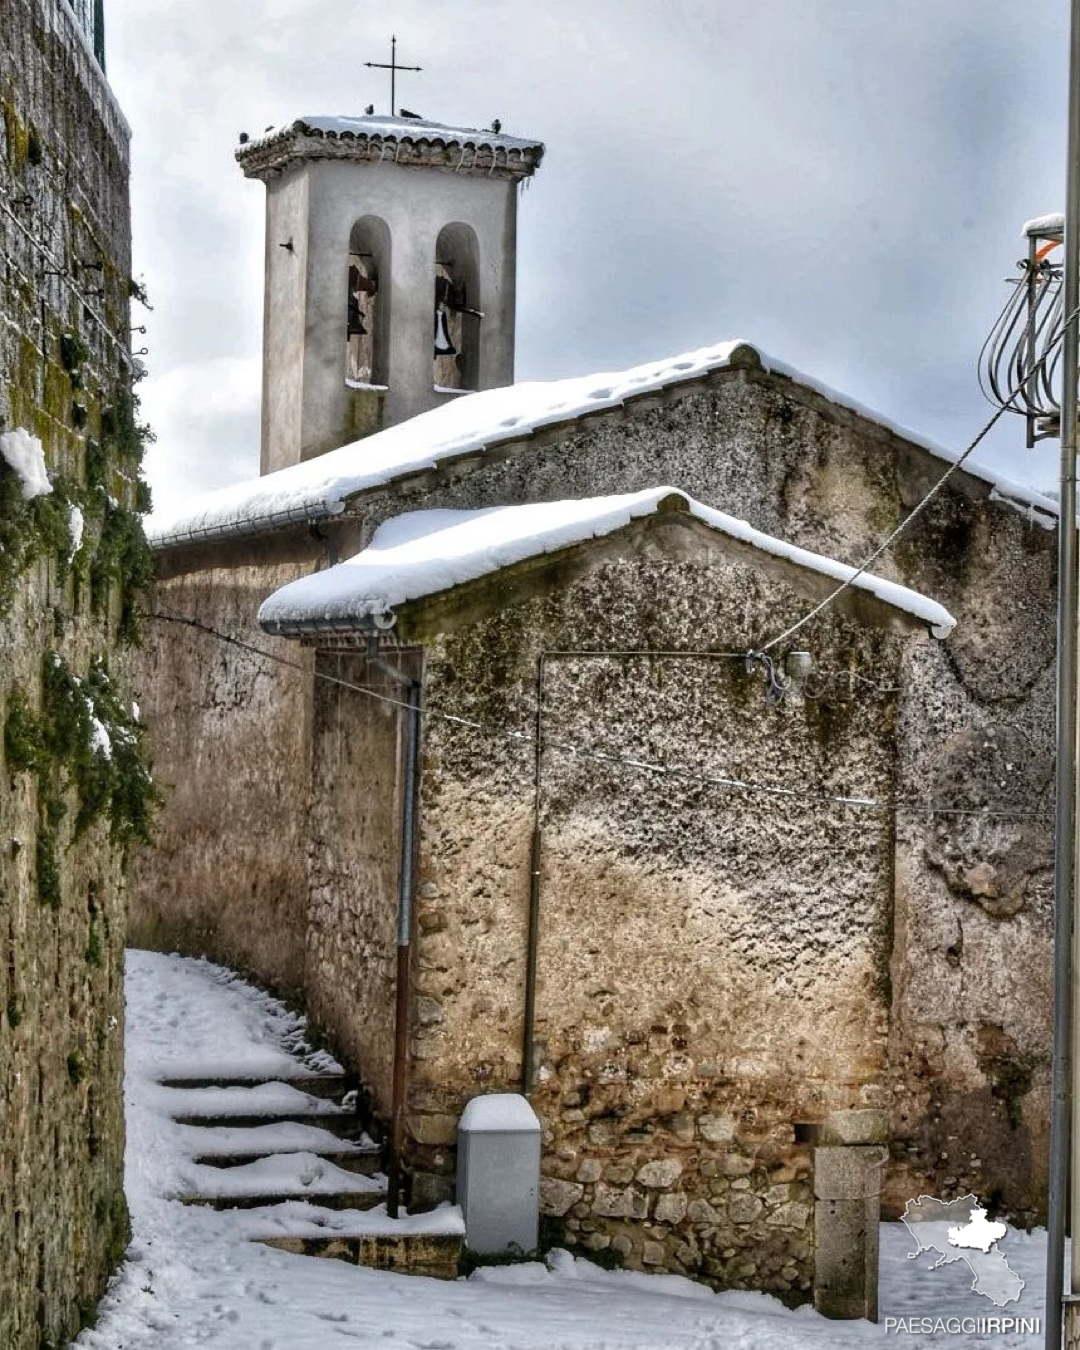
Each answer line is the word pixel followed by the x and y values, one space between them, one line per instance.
pixel 33 529
pixel 76 1067
pixel 117 1223
pixel 17 138
pixel 50 891
pixel 95 952
pixel 86 741
pixel 25 750
pixel 115 557
pixel 122 560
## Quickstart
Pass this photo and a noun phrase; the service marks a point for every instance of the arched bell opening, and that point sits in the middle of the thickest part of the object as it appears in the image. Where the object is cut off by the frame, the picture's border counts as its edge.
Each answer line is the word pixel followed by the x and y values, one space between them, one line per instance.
pixel 457 312
pixel 367 321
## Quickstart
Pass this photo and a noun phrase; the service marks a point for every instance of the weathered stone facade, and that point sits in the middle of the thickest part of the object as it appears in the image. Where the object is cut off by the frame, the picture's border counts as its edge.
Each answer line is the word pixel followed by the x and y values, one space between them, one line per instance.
pixel 713 968
pixel 939 1036
pixel 229 870
pixel 67 812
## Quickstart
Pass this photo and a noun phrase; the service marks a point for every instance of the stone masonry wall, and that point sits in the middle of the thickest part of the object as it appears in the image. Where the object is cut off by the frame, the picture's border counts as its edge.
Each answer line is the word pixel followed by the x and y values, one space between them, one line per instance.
pixel 971 964
pixel 228 876
pixel 69 813
pixel 971 928
pixel 713 966
pixel 354 858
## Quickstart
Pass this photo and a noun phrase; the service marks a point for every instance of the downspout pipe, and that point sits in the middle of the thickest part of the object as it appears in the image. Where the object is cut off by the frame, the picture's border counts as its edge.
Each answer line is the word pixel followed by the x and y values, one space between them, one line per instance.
pixel 1065 1134
pixel 532 939
pixel 528 1065
pixel 406 887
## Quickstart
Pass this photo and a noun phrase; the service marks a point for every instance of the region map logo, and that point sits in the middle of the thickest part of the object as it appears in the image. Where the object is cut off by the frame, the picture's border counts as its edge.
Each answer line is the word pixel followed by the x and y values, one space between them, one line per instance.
pixel 959 1230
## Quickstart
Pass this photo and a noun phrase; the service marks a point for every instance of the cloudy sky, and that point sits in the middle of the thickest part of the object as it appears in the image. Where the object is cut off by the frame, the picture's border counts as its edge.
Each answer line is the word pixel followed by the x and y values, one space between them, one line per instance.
pixel 839 181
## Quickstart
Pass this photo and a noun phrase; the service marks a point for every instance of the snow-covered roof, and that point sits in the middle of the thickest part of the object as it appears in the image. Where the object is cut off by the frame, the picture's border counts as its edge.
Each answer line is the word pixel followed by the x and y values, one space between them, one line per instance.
pixel 424 553
pixel 380 137
pixel 1050 226
pixel 321 487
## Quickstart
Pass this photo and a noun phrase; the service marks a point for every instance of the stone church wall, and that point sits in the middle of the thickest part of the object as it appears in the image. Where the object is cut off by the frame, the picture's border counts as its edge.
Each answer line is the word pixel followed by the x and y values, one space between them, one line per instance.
pixel 68 816
pixel 713 966
pixel 228 876
pixel 969 961
pixel 354 856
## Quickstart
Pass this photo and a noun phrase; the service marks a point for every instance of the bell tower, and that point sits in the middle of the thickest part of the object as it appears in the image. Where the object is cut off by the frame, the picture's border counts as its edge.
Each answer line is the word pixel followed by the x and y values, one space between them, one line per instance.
pixel 391 255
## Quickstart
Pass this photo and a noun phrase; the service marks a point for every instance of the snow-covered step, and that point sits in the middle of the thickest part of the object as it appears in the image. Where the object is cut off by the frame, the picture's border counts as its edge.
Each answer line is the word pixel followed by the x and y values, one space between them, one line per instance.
pixel 334 1086
pixel 227 1146
pixel 279 1177
pixel 257 1105
pixel 414 1244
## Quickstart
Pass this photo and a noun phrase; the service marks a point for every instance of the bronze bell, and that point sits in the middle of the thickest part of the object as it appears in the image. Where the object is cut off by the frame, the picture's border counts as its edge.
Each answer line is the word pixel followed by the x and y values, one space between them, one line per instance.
pixel 443 345
pixel 355 324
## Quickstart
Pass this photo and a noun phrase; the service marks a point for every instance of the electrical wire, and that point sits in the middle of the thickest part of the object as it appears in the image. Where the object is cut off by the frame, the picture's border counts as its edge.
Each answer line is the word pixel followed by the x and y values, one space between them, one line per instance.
pixel 890 539
pixel 652 767
pixel 65 279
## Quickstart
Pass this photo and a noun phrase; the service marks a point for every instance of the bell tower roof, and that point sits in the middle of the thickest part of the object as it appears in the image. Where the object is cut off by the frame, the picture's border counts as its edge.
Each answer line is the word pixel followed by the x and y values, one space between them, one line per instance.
pixel 407 141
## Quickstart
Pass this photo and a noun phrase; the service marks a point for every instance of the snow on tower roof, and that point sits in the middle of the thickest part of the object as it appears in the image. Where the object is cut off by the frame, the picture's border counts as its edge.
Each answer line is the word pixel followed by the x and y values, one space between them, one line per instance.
pixel 321 487
pixel 423 553
pixel 402 140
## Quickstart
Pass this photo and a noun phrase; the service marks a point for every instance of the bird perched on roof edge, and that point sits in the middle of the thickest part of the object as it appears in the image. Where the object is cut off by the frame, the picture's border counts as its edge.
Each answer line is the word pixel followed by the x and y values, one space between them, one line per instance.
pixel 415 117
pixel 496 126
pixel 369 109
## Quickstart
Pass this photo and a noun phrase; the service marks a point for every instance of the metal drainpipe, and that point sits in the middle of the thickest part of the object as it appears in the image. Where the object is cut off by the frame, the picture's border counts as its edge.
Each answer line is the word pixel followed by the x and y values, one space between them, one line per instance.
pixel 533 935
pixel 1064 1099
pixel 403 996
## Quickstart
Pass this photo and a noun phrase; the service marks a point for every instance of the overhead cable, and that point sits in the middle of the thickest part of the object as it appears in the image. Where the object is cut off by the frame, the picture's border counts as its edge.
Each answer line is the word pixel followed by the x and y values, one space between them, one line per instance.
pixel 653 768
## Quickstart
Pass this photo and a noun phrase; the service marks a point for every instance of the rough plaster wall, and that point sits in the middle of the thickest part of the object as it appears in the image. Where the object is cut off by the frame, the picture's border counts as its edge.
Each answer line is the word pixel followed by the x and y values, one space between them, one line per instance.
pixel 63 151
pixel 284 333
pixel 972 1011
pixel 353 869
pixel 713 967
pixel 228 876
pixel 971 1007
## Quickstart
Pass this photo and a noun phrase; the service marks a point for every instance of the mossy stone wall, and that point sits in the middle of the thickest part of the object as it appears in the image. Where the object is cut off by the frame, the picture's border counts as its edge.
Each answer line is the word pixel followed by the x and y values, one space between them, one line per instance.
pixel 70 809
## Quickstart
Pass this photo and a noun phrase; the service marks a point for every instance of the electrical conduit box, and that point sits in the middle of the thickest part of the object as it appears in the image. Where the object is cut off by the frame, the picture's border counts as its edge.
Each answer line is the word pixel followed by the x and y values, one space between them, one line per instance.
pixel 498 1176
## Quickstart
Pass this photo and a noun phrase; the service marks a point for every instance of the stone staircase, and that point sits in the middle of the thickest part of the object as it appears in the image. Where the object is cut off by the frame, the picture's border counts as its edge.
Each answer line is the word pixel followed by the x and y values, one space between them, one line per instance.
pixel 291 1157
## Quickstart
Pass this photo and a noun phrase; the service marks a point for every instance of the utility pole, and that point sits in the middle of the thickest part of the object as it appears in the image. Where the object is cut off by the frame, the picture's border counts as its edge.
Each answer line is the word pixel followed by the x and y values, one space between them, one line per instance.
pixel 1065 1100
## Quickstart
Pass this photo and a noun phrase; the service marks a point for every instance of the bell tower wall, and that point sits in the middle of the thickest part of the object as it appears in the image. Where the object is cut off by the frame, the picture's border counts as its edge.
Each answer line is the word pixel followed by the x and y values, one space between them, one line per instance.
pixel 433 211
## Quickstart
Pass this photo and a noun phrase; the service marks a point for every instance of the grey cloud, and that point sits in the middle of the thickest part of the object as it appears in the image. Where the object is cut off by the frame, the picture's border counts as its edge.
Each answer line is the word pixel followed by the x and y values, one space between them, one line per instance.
pixel 841 181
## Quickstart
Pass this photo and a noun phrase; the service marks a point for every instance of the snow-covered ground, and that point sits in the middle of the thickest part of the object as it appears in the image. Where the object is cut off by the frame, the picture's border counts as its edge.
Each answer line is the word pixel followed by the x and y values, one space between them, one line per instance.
pixel 190 1280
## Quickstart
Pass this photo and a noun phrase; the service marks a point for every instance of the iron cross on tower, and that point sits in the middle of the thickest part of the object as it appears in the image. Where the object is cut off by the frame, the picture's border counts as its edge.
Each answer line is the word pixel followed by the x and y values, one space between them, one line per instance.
pixel 393 67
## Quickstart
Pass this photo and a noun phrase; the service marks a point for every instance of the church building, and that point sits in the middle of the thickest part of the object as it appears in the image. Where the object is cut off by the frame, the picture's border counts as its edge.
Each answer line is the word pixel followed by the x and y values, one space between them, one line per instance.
pixel 485 741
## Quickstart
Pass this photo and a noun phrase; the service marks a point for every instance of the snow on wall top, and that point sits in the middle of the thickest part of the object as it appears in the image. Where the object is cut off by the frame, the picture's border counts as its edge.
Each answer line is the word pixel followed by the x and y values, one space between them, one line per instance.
pixel 320 487
pixel 422 553
pixel 375 128
pixel 1048 227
